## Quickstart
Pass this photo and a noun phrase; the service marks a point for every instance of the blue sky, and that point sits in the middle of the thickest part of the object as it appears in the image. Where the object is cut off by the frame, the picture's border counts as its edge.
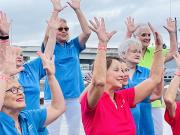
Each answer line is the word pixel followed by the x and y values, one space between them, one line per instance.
pixel 29 17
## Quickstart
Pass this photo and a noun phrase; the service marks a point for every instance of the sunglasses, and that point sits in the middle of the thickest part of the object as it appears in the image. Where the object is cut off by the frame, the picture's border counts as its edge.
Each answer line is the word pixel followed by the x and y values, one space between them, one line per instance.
pixel 61 29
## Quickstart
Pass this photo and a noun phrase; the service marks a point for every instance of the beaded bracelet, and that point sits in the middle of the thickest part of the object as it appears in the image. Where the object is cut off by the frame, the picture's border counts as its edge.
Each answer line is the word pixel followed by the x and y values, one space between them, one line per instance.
pixel 4 77
pixel 102 47
pixel 177 73
pixel 158 51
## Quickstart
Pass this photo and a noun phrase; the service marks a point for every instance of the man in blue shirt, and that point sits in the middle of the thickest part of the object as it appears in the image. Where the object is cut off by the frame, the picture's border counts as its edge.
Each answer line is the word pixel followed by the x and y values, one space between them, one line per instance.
pixel 68 72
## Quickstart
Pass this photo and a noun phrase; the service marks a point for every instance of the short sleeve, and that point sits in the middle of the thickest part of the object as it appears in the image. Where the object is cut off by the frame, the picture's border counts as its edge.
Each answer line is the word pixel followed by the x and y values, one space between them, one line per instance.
pixel 85 109
pixel 169 119
pixel 36 67
pixel 77 44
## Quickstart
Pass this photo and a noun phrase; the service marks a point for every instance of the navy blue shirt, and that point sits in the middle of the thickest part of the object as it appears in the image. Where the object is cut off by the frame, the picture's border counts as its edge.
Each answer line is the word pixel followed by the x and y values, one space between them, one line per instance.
pixel 30 122
pixel 68 72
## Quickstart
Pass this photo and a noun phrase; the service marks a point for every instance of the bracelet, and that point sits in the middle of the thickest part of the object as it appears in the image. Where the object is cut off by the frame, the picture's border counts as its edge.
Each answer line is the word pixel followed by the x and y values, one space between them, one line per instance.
pixel 158 51
pixel 4 37
pixel 177 73
pixel 102 47
pixel 4 77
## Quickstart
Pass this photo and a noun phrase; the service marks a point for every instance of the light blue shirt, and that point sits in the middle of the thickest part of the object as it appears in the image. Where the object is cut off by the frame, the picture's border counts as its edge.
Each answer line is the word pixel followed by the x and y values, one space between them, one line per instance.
pixel 68 72
pixel 142 111
pixel 30 121
pixel 30 78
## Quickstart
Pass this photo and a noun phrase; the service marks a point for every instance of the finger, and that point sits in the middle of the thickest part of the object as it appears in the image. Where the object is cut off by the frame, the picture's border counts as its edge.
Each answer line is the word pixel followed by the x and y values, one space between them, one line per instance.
pixel 113 33
pixel 97 22
pixel 151 27
pixel 93 29
pixel 103 23
pixel 93 24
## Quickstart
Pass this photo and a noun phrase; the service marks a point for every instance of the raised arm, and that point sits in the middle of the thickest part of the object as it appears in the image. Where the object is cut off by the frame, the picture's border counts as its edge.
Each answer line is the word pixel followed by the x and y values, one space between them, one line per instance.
pixel 97 86
pixel 57 106
pixel 4 29
pixel 170 94
pixel 170 27
pixel 7 68
pixel 145 88
pixel 53 25
pixel 57 7
pixel 83 37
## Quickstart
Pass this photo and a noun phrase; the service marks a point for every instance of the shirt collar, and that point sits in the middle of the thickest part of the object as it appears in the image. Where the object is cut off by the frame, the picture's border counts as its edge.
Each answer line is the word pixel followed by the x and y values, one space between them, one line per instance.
pixel 138 68
pixel 7 118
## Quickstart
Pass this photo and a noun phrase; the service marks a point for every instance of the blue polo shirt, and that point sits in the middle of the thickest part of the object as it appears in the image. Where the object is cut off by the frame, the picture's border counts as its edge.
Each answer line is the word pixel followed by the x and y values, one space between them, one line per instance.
pixel 30 78
pixel 68 72
pixel 142 111
pixel 30 121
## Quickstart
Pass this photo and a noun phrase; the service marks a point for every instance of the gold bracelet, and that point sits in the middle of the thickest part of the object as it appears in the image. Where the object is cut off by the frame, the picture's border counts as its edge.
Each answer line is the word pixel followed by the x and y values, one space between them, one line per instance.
pixel 158 51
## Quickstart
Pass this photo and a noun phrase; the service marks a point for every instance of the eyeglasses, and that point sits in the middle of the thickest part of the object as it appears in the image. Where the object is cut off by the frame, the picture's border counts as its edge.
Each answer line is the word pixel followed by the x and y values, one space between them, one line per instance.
pixel 65 29
pixel 135 51
pixel 16 90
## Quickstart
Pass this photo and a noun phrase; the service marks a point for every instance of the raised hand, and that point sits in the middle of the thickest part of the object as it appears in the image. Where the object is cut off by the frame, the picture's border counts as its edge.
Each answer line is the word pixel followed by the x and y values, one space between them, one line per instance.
pixel 157 37
pixel 54 23
pixel 131 27
pixel 8 56
pixel 74 4
pixel 170 26
pixel 48 64
pixel 4 24
pixel 99 28
pixel 57 5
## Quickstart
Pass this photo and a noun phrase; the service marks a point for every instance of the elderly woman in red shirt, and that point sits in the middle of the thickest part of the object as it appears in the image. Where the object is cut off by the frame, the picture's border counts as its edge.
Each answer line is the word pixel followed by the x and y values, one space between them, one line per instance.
pixel 106 111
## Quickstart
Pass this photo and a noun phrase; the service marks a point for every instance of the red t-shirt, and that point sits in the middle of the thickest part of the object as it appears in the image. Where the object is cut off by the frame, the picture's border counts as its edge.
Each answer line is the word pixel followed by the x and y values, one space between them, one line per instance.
pixel 105 118
pixel 174 122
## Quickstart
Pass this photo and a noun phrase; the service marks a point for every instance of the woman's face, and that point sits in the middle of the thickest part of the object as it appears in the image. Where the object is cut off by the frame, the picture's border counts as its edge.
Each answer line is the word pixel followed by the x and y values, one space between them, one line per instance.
pixel 116 75
pixel 144 35
pixel 133 54
pixel 14 96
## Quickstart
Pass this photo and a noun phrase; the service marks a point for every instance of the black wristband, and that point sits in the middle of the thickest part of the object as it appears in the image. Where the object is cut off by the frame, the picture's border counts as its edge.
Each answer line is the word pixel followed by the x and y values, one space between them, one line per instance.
pixel 4 37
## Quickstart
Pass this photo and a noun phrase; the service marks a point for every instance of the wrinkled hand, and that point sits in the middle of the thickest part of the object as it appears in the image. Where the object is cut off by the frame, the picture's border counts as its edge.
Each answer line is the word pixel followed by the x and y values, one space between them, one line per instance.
pixel 4 24
pixel 177 59
pixel 170 26
pixel 74 4
pixel 157 37
pixel 131 27
pixel 99 28
pixel 54 23
pixel 48 64
pixel 8 56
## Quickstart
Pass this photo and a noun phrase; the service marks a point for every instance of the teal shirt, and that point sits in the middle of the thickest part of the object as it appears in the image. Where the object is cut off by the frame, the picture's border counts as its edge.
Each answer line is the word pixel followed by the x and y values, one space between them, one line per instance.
pixel 31 122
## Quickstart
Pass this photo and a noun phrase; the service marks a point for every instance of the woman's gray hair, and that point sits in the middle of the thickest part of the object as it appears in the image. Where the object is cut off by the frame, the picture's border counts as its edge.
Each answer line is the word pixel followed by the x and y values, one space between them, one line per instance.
pixel 139 27
pixel 125 45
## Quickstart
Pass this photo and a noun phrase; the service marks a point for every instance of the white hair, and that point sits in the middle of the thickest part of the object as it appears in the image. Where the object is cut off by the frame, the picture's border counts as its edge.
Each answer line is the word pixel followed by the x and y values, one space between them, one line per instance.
pixel 125 45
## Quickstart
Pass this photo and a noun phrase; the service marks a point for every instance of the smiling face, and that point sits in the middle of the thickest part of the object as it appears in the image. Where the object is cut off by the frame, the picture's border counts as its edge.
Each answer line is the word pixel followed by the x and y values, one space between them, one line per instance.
pixel 133 54
pixel 63 32
pixel 144 35
pixel 14 97
pixel 116 77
